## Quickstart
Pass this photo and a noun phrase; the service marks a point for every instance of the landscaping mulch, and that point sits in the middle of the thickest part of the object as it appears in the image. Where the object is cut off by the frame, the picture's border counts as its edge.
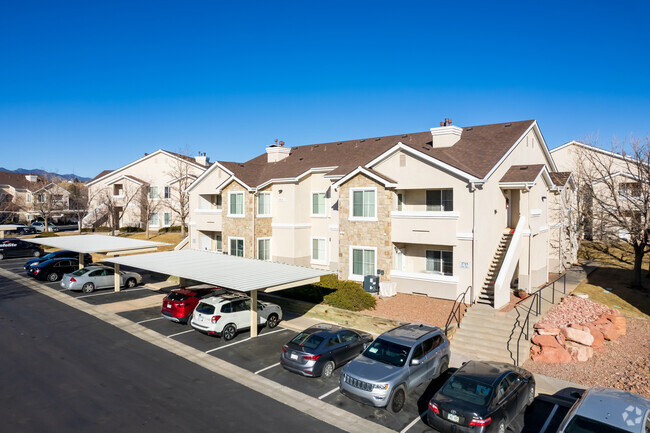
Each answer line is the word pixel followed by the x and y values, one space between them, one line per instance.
pixel 413 308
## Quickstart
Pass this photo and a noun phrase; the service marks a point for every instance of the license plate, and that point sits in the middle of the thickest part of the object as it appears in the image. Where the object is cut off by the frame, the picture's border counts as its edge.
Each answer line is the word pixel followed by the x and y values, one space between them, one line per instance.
pixel 452 417
pixel 294 356
pixel 169 305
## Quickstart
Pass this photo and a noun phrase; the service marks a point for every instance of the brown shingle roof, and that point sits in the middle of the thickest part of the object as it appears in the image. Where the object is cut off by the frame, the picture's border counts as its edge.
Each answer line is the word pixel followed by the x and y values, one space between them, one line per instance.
pixel 102 174
pixel 522 173
pixel 187 158
pixel 476 153
pixel 19 180
pixel 560 178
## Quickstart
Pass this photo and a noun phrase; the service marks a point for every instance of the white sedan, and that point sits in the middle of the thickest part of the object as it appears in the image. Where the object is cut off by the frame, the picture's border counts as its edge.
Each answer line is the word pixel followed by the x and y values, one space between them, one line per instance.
pixel 90 278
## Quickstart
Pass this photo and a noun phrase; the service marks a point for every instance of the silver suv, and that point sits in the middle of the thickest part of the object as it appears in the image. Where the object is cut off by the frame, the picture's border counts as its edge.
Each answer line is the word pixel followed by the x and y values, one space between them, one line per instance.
pixel 394 364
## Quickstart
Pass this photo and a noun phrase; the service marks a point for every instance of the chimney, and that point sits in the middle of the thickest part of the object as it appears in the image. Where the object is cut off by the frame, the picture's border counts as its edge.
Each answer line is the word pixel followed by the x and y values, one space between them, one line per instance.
pixel 202 159
pixel 277 152
pixel 446 135
pixel 31 177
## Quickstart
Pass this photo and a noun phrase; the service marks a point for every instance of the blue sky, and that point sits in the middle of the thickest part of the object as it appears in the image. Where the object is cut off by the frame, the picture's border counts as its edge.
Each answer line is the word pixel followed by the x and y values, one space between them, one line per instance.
pixel 87 86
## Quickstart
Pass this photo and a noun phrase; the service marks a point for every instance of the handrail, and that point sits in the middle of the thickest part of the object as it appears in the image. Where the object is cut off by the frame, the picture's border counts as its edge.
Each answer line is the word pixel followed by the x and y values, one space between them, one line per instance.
pixel 455 309
pixel 535 300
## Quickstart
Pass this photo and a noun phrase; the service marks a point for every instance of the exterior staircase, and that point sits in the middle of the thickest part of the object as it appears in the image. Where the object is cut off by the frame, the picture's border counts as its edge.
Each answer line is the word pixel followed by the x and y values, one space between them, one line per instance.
pixel 486 295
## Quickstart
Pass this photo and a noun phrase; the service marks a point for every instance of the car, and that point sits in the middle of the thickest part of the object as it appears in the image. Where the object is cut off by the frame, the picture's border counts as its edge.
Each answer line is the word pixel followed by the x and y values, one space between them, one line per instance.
pixel 12 247
pixel 21 229
pixel 39 226
pixel 481 397
pixel 53 269
pixel 607 410
pixel 95 277
pixel 57 254
pixel 394 364
pixel 225 315
pixel 179 305
pixel 320 349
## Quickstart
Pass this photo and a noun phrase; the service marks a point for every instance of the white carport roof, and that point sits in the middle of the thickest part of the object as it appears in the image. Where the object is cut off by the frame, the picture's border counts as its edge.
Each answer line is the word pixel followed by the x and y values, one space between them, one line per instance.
pixel 230 272
pixel 97 244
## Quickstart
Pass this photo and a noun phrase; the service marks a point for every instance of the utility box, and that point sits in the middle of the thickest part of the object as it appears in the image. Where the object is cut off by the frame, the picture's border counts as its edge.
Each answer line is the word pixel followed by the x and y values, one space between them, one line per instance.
pixel 371 283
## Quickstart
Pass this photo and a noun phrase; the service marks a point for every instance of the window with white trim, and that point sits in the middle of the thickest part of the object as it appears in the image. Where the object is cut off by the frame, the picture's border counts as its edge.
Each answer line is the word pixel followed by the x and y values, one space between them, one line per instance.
pixel 153 193
pixel 400 201
pixel 318 204
pixel 219 241
pixel 264 204
pixel 153 220
pixel 28 198
pixel 167 219
pixel 264 249
pixel 217 201
pixel 167 192
pixel 318 251
pixel 364 262
pixel 364 203
pixel 236 205
pixel 440 200
pixel 237 247
pixel 440 262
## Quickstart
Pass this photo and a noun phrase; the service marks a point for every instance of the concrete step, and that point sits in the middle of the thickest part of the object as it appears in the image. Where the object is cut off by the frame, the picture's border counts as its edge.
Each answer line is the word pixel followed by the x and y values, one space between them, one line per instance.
pixel 477 325
pixel 489 330
pixel 482 355
pixel 493 347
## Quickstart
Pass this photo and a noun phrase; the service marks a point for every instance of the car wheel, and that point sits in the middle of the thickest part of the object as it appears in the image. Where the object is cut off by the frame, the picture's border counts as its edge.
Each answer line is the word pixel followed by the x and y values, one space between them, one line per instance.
pixel 88 288
pixel 444 365
pixel 189 319
pixel 131 283
pixel 272 320
pixel 37 253
pixel 52 277
pixel 229 332
pixel 501 428
pixel 2 256
pixel 397 400
pixel 531 395
pixel 328 369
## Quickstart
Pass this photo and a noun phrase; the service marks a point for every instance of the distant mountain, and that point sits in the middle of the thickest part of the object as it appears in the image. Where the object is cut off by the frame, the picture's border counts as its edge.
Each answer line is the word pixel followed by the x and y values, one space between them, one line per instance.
pixel 46 173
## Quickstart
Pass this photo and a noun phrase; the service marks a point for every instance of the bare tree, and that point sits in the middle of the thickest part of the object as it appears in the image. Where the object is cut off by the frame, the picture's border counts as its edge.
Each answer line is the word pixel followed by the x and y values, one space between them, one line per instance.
pixel 182 175
pixel 117 205
pixel 563 241
pixel 618 185
pixel 79 201
pixel 150 203
pixel 49 199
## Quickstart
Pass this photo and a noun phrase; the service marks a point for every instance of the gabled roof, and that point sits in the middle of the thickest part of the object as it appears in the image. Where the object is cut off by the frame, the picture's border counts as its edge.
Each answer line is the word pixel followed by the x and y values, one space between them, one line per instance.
pixel 19 180
pixel 560 178
pixel 129 177
pixel 100 175
pixel 522 173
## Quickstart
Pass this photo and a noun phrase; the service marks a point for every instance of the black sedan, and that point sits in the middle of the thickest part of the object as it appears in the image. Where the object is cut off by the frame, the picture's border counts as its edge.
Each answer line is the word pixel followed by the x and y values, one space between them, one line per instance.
pixel 55 255
pixel 318 350
pixel 481 397
pixel 18 248
pixel 53 269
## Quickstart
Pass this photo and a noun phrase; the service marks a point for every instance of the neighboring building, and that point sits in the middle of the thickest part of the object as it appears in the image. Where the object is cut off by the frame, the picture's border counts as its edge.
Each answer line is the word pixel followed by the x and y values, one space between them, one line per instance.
pixel 26 197
pixel 427 211
pixel 151 189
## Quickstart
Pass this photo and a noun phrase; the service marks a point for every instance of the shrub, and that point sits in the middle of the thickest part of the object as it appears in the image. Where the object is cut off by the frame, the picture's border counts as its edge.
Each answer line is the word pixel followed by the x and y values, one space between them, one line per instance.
pixel 46 235
pixel 95 229
pixel 350 296
pixel 170 229
pixel 129 229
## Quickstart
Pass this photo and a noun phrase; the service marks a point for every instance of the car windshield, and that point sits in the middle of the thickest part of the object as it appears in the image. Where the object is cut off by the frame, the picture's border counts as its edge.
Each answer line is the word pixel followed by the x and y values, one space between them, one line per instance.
pixel 387 352
pixel 175 296
pixel 48 256
pixel 580 424
pixel 467 390
pixel 205 308
pixel 80 272
pixel 307 341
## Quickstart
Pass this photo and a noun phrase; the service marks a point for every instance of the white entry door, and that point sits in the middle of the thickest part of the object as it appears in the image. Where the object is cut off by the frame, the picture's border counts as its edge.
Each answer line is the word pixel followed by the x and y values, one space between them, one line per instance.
pixel 205 242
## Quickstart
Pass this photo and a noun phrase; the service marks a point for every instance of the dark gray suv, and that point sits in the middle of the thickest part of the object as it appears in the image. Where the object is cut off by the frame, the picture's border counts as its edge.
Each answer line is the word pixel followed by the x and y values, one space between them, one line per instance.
pixel 394 364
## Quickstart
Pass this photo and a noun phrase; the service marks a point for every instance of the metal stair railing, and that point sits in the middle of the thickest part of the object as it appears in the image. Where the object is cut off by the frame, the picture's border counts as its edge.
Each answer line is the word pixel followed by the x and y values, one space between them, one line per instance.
pixel 456 309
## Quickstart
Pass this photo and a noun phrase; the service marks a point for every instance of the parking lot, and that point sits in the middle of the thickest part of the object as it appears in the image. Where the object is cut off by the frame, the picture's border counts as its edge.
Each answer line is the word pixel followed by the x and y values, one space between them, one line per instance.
pixel 261 356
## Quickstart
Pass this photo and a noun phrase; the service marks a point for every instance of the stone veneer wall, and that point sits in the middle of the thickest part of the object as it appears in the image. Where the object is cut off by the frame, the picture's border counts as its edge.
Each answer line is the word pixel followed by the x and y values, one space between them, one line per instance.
pixel 238 227
pixel 365 233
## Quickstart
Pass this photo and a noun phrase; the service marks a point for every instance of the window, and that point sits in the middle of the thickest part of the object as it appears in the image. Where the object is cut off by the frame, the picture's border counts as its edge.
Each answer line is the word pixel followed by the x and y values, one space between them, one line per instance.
pixel 58 197
pixel 217 201
pixel 237 247
pixel 440 262
pixel 167 192
pixel 264 204
pixel 167 219
pixel 318 246
pixel 29 198
pixel 40 198
pixel 153 193
pixel 364 203
pixel 632 189
pixel 363 262
pixel 264 249
pixel 118 190
pixel 219 242
pixel 153 220
pixel 318 203
pixel 236 204
pixel 440 200
pixel 347 335
pixel 400 201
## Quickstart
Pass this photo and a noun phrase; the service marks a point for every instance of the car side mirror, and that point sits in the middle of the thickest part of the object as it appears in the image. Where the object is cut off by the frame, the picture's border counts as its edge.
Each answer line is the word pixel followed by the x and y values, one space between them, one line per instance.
pixel 415 362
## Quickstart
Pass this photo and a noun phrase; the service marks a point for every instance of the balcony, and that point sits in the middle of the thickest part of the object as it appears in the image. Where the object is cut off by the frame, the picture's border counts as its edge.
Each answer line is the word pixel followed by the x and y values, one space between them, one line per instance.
pixel 207 219
pixel 424 227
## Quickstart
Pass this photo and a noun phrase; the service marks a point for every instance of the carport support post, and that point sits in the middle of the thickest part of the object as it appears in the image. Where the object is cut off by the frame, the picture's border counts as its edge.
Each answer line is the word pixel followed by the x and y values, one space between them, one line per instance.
pixel 81 260
pixel 117 276
pixel 253 313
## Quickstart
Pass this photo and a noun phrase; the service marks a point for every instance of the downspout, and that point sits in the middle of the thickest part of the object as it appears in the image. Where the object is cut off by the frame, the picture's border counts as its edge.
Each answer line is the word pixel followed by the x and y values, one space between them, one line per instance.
pixel 473 242
pixel 530 248
pixel 254 195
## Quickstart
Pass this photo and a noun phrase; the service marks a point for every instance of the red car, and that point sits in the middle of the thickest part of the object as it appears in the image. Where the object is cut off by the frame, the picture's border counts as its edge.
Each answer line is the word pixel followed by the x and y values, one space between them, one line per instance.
pixel 179 305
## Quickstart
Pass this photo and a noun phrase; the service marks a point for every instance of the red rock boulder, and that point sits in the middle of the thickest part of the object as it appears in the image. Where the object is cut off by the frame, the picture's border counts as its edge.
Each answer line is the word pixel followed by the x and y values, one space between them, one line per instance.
pixel 553 355
pixel 619 323
pixel 545 341
pixel 599 339
pixel 579 352
pixel 609 331
pixel 577 335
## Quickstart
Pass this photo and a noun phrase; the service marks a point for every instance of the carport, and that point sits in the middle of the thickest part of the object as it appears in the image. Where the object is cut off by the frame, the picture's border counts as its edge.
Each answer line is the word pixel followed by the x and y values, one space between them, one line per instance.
pixel 6 227
pixel 229 272
pixel 108 245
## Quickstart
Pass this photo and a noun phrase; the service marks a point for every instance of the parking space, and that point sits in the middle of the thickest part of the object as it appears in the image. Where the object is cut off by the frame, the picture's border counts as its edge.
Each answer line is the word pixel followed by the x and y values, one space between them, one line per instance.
pixel 261 356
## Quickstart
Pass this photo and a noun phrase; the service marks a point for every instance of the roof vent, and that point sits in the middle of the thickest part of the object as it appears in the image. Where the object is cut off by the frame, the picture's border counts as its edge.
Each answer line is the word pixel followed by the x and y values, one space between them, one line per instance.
pixel 446 135
pixel 507 124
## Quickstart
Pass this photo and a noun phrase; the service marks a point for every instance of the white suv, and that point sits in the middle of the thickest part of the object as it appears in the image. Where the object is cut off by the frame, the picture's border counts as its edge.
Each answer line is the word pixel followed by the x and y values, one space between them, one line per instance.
pixel 225 315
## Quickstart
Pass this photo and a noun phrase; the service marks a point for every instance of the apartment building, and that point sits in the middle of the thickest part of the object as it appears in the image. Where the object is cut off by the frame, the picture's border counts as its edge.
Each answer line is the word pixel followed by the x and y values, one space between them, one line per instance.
pixel 431 212
pixel 151 189
pixel 26 197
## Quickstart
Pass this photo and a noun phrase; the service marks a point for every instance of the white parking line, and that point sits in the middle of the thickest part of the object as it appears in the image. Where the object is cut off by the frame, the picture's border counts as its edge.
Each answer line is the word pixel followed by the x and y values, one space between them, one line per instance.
pixel 328 393
pixel 548 420
pixel 246 339
pixel 110 293
pixel 267 368
pixel 415 421
pixel 149 320
pixel 179 333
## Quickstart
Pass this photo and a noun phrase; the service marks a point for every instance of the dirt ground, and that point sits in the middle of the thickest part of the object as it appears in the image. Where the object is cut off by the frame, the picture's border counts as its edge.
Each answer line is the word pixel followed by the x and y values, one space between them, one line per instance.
pixel 413 308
